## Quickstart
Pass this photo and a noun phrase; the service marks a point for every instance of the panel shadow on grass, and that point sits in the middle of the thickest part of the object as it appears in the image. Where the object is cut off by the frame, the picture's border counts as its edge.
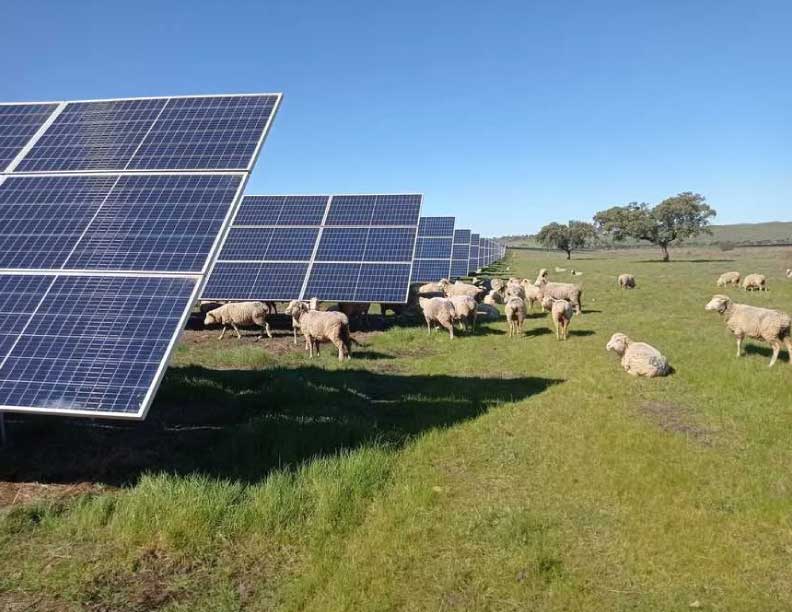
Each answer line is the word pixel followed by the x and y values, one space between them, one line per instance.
pixel 240 424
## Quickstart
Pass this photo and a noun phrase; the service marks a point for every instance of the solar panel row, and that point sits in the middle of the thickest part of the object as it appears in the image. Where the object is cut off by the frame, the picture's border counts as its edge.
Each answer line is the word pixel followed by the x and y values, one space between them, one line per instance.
pixel 433 249
pixel 98 272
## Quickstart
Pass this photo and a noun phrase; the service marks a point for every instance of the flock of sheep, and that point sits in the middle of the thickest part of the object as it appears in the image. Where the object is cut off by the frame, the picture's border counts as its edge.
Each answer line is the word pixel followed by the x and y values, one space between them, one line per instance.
pixel 446 304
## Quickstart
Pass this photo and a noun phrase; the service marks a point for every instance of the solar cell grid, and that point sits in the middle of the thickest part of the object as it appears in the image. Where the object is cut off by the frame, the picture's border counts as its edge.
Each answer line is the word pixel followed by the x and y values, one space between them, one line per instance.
pixel 18 123
pixel 436 226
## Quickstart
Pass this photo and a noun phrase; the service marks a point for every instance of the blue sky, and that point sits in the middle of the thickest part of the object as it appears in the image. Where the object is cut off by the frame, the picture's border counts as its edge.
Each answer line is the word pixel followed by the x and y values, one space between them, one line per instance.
pixel 507 115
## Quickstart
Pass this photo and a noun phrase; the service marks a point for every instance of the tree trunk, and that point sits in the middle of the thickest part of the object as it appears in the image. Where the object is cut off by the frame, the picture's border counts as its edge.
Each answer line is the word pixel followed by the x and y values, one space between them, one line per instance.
pixel 664 249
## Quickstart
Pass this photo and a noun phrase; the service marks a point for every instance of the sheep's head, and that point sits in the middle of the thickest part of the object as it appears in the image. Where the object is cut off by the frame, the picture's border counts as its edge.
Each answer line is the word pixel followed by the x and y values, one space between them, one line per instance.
pixel 618 343
pixel 444 282
pixel 296 308
pixel 210 319
pixel 718 303
pixel 541 281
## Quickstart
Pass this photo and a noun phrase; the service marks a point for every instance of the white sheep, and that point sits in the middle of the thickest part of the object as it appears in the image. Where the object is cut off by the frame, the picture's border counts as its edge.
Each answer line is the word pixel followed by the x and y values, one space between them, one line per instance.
pixel 574 272
pixel 638 358
pixel 465 311
pixel 515 315
pixel 744 321
pixel 541 276
pixel 561 312
pixel 497 284
pixel 438 310
pixel 563 291
pixel 493 297
pixel 239 313
pixel 317 325
pixel 515 290
pixel 559 270
pixel 533 294
pixel 788 273
pixel 460 288
pixel 756 282
pixel 729 278
pixel 626 281
pixel 430 288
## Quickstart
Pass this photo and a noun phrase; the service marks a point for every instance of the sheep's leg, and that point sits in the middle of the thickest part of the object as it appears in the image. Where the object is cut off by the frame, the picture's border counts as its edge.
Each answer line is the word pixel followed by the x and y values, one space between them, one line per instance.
pixel 267 329
pixel 428 327
pixel 309 346
pixel 450 327
pixel 340 346
pixel 776 350
pixel 222 334
pixel 236 330
pixel 788 344
pixel 739 346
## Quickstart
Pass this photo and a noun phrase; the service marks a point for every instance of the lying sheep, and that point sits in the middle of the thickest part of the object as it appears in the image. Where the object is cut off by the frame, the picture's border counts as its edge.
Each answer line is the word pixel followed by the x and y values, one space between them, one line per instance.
pixel 317 325
pixel 744 321
pixel 756 282
pixel 561 312
pixel 564 291
pixel 240 313
pixel 729 278
pixel 465 311
pixel 515 315
pixel 493 297
pixel 626 281
pixel 638 358
pixel 460 288
pixel 559 270
pixel 574 272
pixel 788 273
pixel 438 310
pixel 430 288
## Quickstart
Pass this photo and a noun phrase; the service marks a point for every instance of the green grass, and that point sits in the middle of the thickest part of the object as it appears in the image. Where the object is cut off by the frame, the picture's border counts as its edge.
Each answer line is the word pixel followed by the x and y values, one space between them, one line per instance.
pixel 484 473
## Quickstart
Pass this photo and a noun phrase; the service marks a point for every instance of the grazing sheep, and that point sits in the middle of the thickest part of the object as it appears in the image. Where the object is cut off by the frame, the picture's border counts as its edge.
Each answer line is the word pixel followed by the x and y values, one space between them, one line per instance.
pixel 626 281
pixel 542 276
pixel 465 309
pixel 493 297
pixel 533 294
pixel 563 291
pixel 561 312
pixel 240 313
pixel 559 270
pixel 574 272
pixel 438 310
pixel 638 358
pixel 744 321
pixel 515 315
pixel 317 325
pixel 756 282
pixel 729 278
pixel 460 288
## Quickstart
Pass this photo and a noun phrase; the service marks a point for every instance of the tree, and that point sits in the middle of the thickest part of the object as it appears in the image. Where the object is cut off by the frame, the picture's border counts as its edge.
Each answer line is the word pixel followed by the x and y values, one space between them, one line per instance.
pixel 673 220
pixel 571 237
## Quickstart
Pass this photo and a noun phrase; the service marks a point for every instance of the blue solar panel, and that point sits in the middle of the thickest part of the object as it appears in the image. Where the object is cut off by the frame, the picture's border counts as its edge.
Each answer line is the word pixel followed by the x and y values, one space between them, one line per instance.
pixel 151 223
pixel 270 243
pixel 355 282
pixel 433 248
pixel 474 251
pixel 251 281
pixel 18 123
pixel 374 210
pixel 342 244
pixel 436 226
pixel 460 254
pixel 198 133
pixel 390 244
pixel 19 297
pixel 430 270
pixel 93 343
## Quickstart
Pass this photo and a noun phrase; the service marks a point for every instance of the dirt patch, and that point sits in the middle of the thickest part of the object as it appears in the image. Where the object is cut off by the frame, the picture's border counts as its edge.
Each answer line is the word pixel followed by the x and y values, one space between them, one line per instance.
pixel 673 418
pixel 18 493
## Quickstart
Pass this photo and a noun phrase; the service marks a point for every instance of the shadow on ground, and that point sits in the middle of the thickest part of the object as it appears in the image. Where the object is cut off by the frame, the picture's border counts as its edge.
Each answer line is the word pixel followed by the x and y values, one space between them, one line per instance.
pixel 240 424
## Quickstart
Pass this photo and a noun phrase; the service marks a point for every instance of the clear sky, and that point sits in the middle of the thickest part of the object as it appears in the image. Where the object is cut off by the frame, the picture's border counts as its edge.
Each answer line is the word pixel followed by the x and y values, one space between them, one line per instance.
pixel 505 114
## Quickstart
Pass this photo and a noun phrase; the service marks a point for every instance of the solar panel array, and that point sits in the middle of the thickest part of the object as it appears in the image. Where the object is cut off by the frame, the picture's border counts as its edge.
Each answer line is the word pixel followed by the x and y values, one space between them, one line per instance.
pixel 460 253
pixel 473 263
pixel 347 248
pixel 112 214
pixel 433 249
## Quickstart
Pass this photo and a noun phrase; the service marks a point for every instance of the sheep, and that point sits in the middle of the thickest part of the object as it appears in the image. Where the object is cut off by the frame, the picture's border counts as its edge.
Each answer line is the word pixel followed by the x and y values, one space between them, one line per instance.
pixel 493 297
pixel 533 294
pixel 540 277
pixel 438 310
pixel 755 281
pixel 515 290
pixel 497 284
pixel 459 288
pixel 574 272
pixel 432 288
pixel 317 325
pixel 564 291
pixel 465 309
pixel 313 304
pixel 240 313
pixel 772 326
pixel 638 358
pixel 561 312
pixel 515 315
pixel 729 278
pixel 626 281
pixel 355 312
pixel 788 273
pixel 559 270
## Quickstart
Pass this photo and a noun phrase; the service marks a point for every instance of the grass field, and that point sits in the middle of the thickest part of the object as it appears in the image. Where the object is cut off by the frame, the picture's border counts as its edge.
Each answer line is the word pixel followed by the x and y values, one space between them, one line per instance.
pixel 484 473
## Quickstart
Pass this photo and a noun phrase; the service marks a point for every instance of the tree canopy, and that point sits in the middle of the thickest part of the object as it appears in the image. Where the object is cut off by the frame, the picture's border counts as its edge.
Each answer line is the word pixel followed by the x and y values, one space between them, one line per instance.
pixel 674 219
pixel 571 237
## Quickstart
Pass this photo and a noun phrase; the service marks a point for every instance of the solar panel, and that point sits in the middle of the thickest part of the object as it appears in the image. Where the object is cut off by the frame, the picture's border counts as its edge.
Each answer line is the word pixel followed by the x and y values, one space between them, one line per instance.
pixel 189 133
pixel 18 124
pixel 347 248
pixel 99 271
pixel 460 254
pixel 473 264
pixel 433 249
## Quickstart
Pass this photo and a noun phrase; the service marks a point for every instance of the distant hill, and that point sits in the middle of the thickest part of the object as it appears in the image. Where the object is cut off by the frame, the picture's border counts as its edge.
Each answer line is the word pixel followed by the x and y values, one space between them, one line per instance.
pixel 740 234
